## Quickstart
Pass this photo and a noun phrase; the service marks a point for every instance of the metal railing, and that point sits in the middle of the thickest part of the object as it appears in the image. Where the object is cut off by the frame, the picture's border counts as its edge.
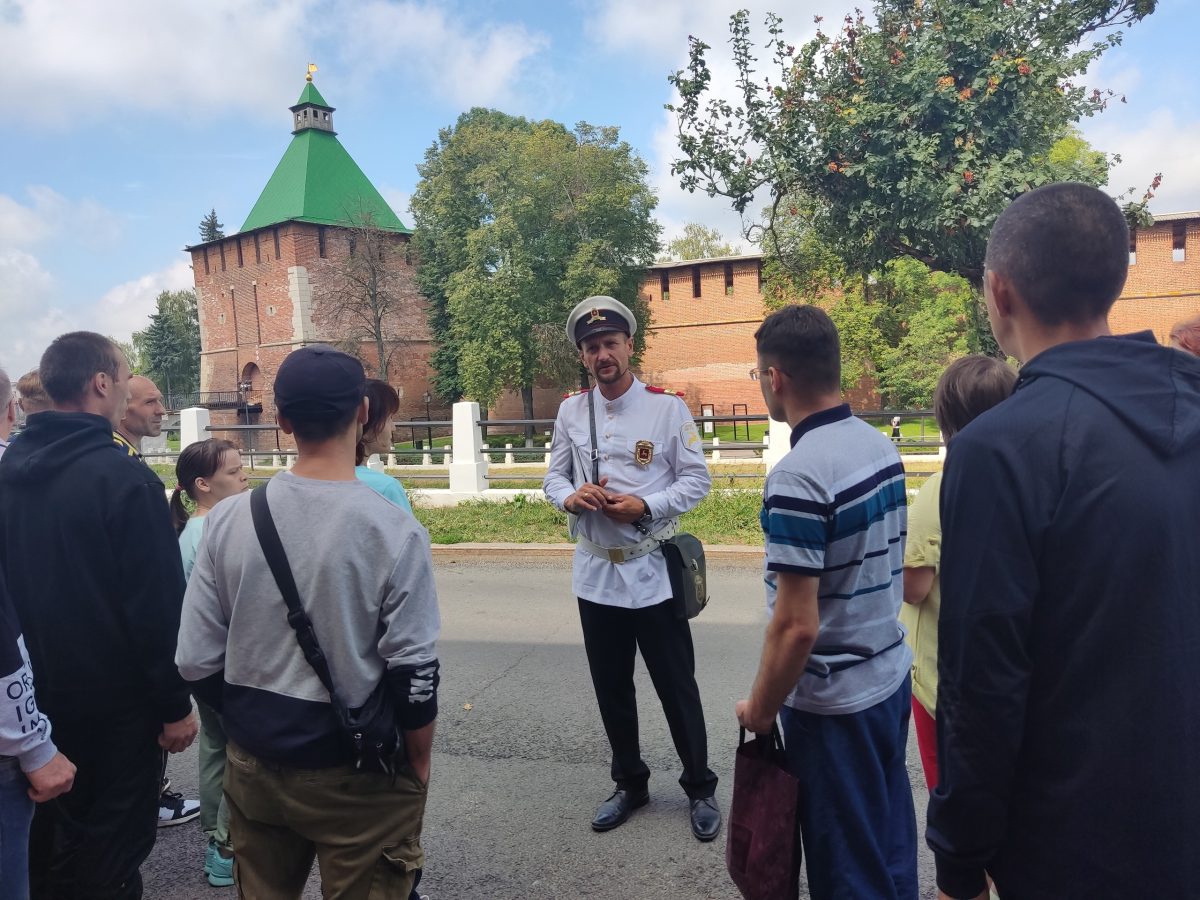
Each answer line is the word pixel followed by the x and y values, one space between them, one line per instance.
pixel 481 453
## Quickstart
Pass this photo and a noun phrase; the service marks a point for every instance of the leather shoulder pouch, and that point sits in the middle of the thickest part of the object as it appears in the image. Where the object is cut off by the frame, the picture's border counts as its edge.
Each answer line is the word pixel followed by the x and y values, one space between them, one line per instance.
pixel 371 733
pixel 685 565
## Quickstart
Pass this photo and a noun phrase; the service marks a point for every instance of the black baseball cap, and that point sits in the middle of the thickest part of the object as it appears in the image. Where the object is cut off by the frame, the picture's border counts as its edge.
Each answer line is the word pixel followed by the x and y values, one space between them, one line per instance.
pixel 319 382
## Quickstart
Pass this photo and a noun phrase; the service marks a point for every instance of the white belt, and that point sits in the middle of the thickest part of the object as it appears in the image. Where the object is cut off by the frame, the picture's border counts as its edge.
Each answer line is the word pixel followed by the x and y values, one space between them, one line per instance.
pixel 643 547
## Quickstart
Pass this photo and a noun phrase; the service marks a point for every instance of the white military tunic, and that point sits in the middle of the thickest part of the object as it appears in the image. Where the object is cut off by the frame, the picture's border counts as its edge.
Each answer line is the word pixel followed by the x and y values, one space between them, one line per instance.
pixel 674 481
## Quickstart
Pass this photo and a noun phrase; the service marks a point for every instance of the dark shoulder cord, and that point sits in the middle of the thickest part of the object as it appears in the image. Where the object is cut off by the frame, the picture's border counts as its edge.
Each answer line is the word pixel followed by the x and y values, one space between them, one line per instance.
pixel 592 428
pixel 272 547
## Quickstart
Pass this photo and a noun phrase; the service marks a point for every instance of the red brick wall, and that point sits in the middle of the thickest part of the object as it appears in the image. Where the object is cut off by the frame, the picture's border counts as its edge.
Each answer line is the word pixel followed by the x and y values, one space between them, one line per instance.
pixel 247 315
pixel 1159 291
pixel 704 346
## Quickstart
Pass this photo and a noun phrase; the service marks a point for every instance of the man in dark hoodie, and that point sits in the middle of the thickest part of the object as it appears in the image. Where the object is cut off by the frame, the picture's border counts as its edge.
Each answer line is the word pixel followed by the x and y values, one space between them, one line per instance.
pixel 1069 646
pixel 93 568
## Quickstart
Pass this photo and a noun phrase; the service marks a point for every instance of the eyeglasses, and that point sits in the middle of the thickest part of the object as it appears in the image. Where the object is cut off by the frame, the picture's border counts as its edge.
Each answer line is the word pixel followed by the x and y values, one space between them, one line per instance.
pixel 757 374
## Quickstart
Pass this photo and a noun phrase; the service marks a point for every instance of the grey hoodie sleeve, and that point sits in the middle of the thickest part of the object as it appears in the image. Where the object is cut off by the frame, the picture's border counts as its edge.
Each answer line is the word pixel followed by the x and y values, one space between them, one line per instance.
pixel 24 731
pixel 411 623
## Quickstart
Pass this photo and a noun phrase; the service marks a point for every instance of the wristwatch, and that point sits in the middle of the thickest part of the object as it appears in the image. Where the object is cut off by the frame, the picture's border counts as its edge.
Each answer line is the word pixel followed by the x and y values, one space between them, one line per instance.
pixel 646 516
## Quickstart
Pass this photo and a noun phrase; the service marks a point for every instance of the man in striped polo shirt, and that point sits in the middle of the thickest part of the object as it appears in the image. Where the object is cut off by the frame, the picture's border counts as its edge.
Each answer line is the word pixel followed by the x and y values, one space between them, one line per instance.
pixel 834 664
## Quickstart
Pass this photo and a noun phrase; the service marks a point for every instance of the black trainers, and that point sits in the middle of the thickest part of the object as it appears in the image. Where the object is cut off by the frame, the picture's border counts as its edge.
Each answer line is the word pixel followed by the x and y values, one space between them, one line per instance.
pixel 174 810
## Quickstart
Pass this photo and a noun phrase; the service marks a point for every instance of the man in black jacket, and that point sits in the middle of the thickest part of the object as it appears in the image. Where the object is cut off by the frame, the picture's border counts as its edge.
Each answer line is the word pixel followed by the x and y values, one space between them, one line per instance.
pixel 93 567
pixel 1069 641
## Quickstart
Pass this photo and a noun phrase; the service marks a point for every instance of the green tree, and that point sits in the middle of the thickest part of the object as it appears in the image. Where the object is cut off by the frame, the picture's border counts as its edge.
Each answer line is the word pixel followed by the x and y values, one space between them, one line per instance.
pixel 934 335
pixel 210 228
pixel 907 135
pixel 448 204
pixel 699 242
pixel 516 222
pixel 132 356
pixel 167 351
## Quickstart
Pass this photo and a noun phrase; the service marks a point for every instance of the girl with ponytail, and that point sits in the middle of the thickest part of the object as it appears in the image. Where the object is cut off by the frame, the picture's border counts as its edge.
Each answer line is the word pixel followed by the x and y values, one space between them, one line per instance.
pixel 208 472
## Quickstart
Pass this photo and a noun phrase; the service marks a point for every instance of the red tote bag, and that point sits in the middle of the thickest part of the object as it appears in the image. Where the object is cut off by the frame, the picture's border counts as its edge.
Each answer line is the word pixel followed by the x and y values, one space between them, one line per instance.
pixel 762 850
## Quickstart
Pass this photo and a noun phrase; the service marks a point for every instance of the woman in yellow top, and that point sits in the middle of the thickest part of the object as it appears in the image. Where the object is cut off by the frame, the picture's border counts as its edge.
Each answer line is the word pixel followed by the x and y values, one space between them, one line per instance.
pixel 969 386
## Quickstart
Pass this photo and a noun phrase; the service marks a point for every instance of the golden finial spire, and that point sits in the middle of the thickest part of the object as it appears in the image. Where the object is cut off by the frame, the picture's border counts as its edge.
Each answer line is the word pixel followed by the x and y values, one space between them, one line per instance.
pixel 312 67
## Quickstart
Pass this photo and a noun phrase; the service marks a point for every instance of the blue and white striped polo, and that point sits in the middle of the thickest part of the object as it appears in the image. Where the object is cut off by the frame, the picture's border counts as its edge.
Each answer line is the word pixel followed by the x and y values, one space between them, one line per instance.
pixel 835 508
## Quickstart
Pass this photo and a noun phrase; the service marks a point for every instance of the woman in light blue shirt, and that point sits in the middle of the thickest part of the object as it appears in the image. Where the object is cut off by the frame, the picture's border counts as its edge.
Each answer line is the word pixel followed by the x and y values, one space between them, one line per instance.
pixel 208 472
pixel 377 438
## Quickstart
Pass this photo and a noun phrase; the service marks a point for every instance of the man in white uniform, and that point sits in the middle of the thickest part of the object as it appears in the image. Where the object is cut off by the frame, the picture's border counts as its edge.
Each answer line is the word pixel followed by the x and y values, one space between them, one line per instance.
pixel 646 469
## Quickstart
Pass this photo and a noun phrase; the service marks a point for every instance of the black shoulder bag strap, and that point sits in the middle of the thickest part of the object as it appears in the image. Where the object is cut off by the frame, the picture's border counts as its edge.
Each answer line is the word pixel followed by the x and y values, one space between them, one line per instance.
pixel 272 547
pixel 592 428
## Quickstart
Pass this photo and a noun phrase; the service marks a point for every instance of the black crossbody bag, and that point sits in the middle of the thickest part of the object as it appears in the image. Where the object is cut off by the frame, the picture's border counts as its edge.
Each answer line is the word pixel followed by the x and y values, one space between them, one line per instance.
pixel 370 731
pixel 683 552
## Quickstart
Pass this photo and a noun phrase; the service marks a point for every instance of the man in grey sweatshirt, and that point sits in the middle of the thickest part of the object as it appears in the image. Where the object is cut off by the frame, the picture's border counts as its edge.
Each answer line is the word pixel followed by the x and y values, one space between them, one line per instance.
pixel 31 768
pixel 364 574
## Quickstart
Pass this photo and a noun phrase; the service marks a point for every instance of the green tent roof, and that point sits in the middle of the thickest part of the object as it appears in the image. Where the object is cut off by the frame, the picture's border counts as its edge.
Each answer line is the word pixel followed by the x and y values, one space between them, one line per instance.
pixel 310 94
pixel 317 181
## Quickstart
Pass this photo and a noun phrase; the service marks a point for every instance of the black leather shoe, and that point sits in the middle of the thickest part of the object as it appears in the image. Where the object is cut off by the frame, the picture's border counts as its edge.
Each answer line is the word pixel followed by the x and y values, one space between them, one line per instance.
pixel 617 808
pixel 706 818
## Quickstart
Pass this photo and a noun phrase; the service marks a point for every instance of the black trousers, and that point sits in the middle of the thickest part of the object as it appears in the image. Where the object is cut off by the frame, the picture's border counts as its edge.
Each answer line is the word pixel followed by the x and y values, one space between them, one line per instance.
pixel 90 842
pixel 612 635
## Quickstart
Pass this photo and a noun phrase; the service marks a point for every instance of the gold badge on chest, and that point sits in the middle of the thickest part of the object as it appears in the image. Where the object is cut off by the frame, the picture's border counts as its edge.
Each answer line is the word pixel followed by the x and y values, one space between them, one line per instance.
pixel 643 453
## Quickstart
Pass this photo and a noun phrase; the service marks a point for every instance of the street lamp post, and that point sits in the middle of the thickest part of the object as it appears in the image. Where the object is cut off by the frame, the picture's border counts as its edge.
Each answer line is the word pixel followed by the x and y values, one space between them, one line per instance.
pixel 428 398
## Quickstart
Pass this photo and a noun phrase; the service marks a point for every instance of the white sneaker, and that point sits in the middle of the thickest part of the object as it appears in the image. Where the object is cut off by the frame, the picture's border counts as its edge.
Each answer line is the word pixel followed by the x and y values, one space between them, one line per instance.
pixel 174 810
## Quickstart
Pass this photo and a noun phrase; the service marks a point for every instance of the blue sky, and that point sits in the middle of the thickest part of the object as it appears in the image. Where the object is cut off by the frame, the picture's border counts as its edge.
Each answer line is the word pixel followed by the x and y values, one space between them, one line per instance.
pixel 127 121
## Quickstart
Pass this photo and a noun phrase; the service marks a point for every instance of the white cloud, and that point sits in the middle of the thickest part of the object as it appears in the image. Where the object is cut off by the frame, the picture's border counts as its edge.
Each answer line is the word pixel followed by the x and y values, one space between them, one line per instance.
pixel 662 29
pixel 473 64
pixel 27 322
pixel 1160 142
pixel 126 308
pixel 69 62
pixel 49 213
pixel 73 60
pixel 399 201
pixel 33 312
pixel 676 207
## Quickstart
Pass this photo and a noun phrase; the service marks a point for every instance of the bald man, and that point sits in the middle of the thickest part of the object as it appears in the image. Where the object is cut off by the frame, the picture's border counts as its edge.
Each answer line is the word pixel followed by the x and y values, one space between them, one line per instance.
pixel 143 417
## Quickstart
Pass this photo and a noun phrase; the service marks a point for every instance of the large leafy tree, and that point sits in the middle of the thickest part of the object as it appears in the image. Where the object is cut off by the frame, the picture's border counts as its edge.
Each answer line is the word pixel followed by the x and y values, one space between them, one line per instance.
pixel 699 242
pixel 168 349
pixel 516 222
pixel 907 134
pixel 448 205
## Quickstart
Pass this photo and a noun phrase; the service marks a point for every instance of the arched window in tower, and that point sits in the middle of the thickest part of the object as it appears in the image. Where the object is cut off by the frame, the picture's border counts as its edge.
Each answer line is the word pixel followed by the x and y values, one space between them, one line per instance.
pixel 251 381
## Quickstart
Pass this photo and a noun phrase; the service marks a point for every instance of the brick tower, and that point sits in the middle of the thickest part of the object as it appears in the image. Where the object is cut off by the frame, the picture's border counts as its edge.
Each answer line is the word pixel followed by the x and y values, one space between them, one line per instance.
pixel 264 291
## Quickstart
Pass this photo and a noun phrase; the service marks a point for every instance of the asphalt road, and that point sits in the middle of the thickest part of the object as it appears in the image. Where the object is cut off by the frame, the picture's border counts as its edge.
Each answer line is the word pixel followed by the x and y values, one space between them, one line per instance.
pixel 517 775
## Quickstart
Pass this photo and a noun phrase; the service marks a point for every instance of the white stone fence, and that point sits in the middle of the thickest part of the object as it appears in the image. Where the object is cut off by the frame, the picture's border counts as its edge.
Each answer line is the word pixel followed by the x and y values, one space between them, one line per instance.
pixel 468 459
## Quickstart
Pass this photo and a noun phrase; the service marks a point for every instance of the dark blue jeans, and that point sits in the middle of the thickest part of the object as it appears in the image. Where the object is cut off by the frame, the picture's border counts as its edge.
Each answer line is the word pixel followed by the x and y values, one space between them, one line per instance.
pixel 16 812
pixel 856 811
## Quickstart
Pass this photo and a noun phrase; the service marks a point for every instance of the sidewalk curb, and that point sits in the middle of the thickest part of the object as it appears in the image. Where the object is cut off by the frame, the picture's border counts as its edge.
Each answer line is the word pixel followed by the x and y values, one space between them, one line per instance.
pixel 723 552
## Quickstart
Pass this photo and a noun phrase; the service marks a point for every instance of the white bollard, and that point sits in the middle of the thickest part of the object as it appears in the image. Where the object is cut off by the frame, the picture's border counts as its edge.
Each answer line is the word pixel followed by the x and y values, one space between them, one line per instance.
pixel 508 456
pixel 468 469
pixel 427 459
pixel 716 449
pixel 277 460
pixel 547 453
pixel 193 426
pixel 778 444
pixel 391 460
